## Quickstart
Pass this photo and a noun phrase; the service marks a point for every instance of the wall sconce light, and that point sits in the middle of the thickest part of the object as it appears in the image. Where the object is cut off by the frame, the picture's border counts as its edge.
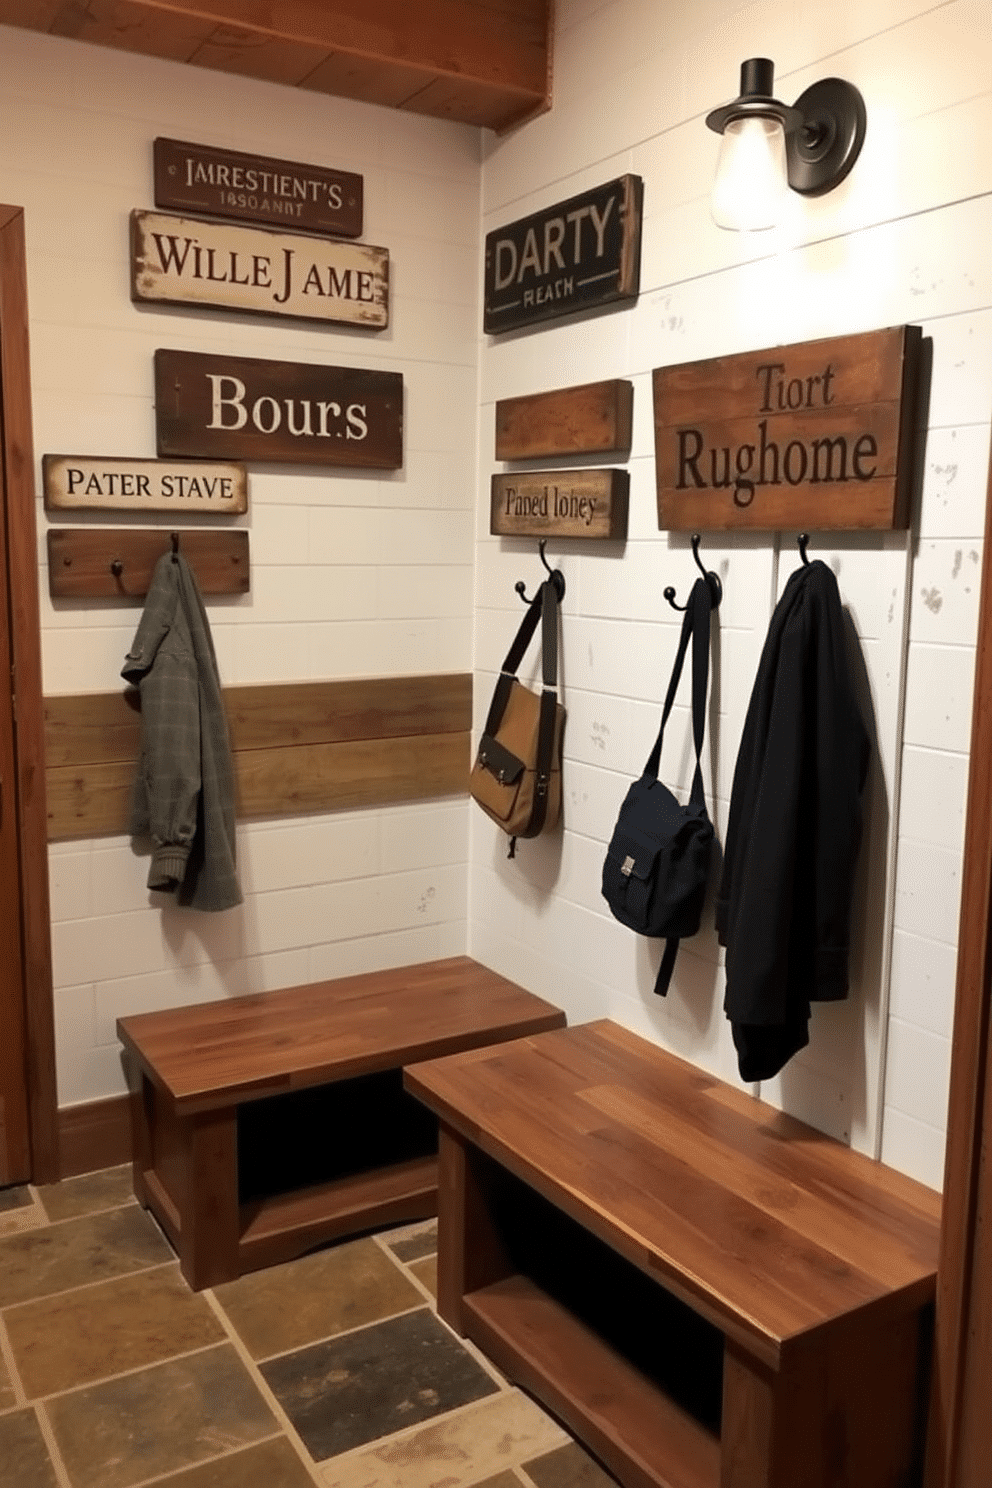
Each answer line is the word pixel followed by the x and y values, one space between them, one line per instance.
pixel 766 144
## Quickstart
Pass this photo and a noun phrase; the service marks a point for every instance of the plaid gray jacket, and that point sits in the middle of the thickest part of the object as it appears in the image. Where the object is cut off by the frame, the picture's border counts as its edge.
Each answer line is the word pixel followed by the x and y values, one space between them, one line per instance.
pixel 184 793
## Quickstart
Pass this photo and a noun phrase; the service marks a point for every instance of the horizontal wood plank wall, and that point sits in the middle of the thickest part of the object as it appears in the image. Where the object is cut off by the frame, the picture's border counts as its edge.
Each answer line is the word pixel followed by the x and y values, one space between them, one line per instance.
pixel 298 747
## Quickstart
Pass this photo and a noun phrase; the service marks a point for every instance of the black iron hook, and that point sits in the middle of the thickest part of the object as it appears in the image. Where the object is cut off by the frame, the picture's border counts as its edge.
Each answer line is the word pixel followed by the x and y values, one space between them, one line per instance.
pixel 174 539
pixel 802 540
pixel 557 577
pixel 716 588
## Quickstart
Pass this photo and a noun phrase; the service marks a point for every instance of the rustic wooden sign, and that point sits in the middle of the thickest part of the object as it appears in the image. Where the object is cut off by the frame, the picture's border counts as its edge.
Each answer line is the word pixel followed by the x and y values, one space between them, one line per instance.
pixel 106 482
pixel 255 188
pixel 818 435
pixel 579 254
pixel 592 419
pixel 560 503
pixel 101 563
pixel 183 261
pixel 303 413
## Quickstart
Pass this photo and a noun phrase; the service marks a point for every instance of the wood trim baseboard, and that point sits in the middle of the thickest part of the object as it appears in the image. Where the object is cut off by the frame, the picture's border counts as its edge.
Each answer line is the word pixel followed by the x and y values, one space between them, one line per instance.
pixel 94 1135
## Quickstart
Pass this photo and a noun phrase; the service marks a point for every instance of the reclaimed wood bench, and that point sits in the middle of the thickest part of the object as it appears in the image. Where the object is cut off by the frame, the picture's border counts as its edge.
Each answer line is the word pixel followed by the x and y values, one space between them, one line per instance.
pixel 707 1292
pixel 266 1125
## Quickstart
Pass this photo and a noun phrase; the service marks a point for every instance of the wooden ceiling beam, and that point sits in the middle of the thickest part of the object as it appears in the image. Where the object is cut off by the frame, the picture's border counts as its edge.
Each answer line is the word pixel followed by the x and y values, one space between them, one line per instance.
pixel 483 62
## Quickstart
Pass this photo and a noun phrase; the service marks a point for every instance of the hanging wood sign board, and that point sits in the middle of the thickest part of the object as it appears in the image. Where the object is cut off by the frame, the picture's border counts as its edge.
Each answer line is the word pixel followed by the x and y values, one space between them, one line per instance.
pixel 110 483
pixel 185 261
pixel 560 503
pixel 256 188
pixel 592 419
pixel 819 435
pixel 301 413
pixel 577 255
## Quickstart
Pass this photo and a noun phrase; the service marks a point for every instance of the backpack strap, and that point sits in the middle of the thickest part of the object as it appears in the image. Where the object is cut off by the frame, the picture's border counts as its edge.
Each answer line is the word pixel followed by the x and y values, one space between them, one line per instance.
pixel 695 626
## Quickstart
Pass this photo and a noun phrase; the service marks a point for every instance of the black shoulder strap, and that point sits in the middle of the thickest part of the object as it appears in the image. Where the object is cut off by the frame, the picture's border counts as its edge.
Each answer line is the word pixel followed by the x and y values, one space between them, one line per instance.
pixel 695 624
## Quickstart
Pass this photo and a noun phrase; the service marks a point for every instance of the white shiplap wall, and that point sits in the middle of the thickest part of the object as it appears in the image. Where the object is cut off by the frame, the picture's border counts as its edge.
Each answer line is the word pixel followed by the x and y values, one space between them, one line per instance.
pixel 903 240
pixel 352 573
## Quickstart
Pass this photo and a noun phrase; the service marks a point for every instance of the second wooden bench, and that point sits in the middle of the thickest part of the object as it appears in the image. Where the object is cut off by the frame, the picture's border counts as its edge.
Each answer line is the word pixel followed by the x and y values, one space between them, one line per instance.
pixel 266 1125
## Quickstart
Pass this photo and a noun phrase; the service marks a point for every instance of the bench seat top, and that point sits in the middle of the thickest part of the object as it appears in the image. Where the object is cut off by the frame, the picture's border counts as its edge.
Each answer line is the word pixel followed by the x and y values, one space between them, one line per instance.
pixel 215 1054
pixel 760 1223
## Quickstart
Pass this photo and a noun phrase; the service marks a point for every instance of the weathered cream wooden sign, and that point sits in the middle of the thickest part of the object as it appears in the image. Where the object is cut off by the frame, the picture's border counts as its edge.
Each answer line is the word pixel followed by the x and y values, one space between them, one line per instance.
pixel 818 435
pixel 185 261
pixel 107 482
pixel 560 503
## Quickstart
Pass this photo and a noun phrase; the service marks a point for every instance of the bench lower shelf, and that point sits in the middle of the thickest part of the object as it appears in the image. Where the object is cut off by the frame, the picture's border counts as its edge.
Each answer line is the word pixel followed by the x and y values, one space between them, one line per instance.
pixel 633 1427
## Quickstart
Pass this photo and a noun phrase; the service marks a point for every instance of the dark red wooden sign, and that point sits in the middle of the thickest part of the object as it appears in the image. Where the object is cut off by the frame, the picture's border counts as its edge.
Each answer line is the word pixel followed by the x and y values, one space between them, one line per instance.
pixel 303 413
pixel 255 188
pixel 577 255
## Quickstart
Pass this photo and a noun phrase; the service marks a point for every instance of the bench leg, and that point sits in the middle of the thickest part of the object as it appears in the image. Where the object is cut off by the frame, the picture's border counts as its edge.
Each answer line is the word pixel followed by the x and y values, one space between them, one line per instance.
pixel 470 1252
pixel 210 1227
pixel 843 1416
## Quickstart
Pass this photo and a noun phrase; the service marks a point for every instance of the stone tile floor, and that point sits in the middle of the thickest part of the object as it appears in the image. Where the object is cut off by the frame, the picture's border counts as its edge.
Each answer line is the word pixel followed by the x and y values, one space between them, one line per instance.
pixel 333 1370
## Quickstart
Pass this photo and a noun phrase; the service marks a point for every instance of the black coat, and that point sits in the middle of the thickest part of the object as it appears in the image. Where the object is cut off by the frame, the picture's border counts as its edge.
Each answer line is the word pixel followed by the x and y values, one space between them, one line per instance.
pixel 784 905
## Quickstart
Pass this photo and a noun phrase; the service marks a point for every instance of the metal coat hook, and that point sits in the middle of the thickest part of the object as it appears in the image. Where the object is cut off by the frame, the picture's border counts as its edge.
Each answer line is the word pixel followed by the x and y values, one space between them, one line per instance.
pixel 557 577
pixel 174 539
pixel 802 540
pixel 716 588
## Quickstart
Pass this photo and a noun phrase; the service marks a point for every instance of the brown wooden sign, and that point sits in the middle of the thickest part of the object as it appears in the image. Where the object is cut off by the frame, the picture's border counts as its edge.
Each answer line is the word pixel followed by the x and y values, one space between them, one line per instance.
pixel 819 435
pixel 100 563
pixel 302 413
pixel 107 482
pixel 185 261
pixel 560 503
pixel 255 188
pixel 592 419
pixel 579 254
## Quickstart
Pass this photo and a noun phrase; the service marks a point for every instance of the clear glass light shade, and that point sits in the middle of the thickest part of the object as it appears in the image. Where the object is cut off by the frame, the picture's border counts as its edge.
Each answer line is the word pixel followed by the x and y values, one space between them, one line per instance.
pixel 750 187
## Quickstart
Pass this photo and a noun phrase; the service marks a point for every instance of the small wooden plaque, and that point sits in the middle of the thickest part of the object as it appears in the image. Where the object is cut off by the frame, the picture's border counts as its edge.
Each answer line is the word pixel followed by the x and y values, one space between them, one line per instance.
pixel 186 261
pixel 560 503
pixel 819 435
pixel 256 188
pixel 111 483
pixel 302 413
pixel 592 419
pixel 101 563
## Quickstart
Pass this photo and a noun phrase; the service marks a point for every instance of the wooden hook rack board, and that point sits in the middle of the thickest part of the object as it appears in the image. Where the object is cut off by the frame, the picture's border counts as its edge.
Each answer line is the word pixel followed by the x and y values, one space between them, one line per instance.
pixel 118 563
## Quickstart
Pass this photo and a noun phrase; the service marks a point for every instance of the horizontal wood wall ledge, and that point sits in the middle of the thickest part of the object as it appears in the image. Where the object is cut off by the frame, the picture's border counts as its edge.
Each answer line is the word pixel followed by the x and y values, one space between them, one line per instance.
pixel 297 747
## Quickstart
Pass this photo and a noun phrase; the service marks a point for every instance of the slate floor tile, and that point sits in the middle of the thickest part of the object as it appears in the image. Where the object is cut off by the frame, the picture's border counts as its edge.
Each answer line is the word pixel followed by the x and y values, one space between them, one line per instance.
pixel 92 1248
pixel 158 1420
pixel 375 1381
pixel 7 1397
pixel 24 1459
pixel 426 1273
pixel 569 1466
pixel 97 1331
pixel 485 1441
pixel 343 1287
pixel 412 1247
pixel 109 1188
pixel 17 1197
pixel 272 1464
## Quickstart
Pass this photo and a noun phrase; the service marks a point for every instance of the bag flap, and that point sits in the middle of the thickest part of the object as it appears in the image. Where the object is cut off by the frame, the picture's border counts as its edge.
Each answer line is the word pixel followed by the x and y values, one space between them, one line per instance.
pixel 499 761
pixel 634 852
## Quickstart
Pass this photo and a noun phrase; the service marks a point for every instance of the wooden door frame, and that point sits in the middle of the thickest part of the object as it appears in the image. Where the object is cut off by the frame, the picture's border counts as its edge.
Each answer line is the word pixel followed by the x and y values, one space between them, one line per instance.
pixel 961 1397
pixel 29 784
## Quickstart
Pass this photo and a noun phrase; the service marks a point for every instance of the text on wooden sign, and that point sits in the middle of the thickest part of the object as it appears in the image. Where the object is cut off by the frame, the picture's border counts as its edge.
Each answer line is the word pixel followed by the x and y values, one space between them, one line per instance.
pixel 87 482
pixel 561 503
pixel 184 261
pixel 298 412
pixel 576 255
pixel 821 434
pixel 256 188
